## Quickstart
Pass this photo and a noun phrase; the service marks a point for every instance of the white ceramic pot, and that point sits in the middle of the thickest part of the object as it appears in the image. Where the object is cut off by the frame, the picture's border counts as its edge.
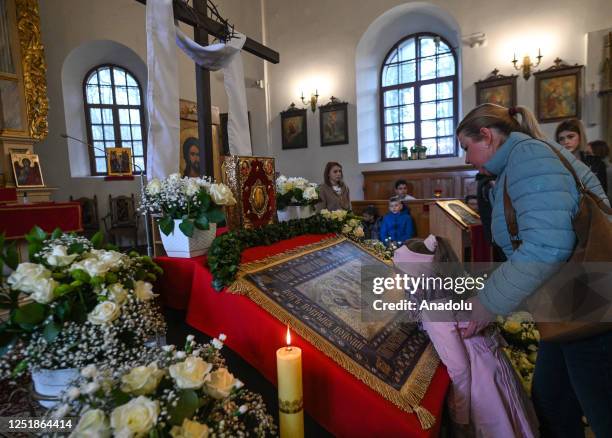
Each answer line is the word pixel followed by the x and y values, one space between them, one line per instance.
pixel 178 245
pixel 295 212
pixel 49 384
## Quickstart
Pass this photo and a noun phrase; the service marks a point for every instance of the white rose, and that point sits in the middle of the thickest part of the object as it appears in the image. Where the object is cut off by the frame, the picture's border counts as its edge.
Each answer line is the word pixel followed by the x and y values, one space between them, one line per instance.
pixel 358 232
pixel 117 293
pixel 311 193
pixel 346 229
pixel 90 371
pixel 60 412
pixel 191 373
pixel 112 258
pixel 174 177
pixel 189 429
pixel 325 213
pixel 144 290
pixel 90 388
pixel 220 384
pixel 104 313
pixel 59 256
pixel 221 194
pixel 137 417
pixel 92 424
pixel 191 187
pixel 92 266
pixel 34 279
pixel 154 187
pixel 142 380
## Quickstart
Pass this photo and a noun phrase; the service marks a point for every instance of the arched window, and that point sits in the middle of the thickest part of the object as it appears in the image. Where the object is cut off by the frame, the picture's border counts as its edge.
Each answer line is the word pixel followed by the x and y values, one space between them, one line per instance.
pixel 418 97
pixel 114 113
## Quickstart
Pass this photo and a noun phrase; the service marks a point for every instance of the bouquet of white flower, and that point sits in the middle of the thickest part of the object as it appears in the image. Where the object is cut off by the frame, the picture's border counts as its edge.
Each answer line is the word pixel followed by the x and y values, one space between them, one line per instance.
pixel 163 393
pixel 295 191
pixel 84 304
pixel 195 201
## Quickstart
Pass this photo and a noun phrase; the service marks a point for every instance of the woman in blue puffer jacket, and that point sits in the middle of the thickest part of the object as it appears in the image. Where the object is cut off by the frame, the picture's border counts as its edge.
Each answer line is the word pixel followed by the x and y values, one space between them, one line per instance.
pixel 571 379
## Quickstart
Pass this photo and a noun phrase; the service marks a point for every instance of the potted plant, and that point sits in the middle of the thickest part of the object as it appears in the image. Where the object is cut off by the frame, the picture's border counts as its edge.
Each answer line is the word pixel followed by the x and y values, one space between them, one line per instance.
pixel 74 304
pixel 404 153
pixel 189 210
pixel 295 198
pixel 422 152
pixel 414 153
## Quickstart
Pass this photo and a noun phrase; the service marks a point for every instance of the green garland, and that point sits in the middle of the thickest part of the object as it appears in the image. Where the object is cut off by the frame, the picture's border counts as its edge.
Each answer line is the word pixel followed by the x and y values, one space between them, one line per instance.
pixel 224 253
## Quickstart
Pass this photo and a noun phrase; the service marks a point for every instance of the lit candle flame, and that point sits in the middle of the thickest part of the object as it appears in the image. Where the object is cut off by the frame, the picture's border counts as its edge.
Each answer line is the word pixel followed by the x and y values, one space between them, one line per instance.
pixel 288 337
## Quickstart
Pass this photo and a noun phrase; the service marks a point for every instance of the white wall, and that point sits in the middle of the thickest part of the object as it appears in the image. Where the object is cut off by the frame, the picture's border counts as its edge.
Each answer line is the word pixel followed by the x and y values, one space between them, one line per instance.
pixel 318 40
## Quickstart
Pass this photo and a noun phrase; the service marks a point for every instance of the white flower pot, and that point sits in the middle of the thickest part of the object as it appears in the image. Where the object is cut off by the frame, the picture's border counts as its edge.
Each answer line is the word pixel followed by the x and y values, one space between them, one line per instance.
pixel 178 245
pixel 49 384
pixel 295 212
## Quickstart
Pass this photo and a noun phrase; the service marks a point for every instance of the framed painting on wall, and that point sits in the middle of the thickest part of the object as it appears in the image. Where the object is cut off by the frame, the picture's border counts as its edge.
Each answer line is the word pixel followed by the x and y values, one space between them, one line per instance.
pixel 497 89
pixel 26 170
pixel 333 118
pixel 558 92
pixel 294 128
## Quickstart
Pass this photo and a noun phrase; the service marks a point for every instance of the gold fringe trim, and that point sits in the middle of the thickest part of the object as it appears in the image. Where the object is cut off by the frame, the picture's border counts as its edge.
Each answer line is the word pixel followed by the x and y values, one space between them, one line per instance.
pixel 408 398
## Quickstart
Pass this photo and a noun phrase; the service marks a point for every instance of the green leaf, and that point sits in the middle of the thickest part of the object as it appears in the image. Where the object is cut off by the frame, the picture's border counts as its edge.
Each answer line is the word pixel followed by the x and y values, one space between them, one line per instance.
pixel 30 314
pixel 215 215
pixel 119 397
pixel 81 275
pixel 12 258
pixel 76 248
pixel 51 331
pixel 38 233
pixel 187 227
pixel 204 199
pixel 98 240
pixel 187 404
pixel 166 225
pixel 57 233
pixel 202 222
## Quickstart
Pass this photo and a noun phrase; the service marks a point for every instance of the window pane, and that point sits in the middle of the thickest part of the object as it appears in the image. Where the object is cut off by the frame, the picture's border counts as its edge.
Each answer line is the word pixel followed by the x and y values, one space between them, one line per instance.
pixel 392 133
pixel 107 116
pixel 109 132
pixel 430 144
pixel 428 92
pixel 446 146
pixel 96 132
pixel 408 130
pixel 407 95
pixel 126 132
pixel 392 150
pixel 119 76
pixel 428 68
pixel 124 116
pixel 96 116
pixel 121 95
pixel 101 165
pixel 392 57
pixel 428 110
pixel 134 95
pixel 443 48
pixel 390 75
pixel 126 144
pixel 139 164
pixel 93 79
pixel 98 148
pixel 445 108
pixel 135 116
pixel 106 95
pixel 111 144
pixel 428 46
pixel 391 115
pixel 391 98
pixel 138 148
pixel 93 95
pixel 407 72
pixel 407 113
pixel 445 127
pixel 131 81
pixel 445 90
pixel 136 132
pixel 428 129
pixel 446 65
pixel 105 77
pixel 406 50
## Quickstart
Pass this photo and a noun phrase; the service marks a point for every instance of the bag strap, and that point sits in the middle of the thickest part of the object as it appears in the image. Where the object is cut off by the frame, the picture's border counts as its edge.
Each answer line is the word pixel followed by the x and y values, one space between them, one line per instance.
pixel 510 214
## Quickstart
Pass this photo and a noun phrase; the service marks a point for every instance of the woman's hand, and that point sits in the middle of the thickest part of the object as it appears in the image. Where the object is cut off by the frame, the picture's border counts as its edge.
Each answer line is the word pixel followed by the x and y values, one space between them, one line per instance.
pixel 478 319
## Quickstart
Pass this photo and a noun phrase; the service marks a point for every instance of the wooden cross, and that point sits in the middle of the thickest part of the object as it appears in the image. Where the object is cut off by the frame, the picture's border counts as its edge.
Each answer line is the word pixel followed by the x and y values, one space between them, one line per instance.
pixel 203 27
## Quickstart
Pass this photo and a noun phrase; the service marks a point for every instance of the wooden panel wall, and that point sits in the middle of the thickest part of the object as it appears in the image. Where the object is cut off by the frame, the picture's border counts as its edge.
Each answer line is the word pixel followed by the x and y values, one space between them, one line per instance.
pixel 454 182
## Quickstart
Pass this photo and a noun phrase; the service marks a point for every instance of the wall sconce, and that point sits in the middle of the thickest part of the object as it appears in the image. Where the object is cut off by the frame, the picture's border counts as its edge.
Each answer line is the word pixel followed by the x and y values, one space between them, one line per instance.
pixel 314 98
pixel 526 66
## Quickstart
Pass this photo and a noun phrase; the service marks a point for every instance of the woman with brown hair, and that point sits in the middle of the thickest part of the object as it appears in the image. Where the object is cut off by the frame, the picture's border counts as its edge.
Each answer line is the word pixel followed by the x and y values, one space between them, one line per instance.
pixel 571 379
pixel 334 194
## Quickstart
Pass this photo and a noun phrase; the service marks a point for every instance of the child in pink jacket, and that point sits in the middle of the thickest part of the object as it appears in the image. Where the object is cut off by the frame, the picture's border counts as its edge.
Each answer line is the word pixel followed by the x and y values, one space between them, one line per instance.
pixel 486 397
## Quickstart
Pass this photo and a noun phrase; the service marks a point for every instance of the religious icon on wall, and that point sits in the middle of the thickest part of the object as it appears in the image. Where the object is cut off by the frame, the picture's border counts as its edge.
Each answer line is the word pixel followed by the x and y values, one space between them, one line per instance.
pixel 333 118
pixel 558 92
pixel 26 169
pixel 460 212
pixel 497 89
pixel 119 161
pixel 294 128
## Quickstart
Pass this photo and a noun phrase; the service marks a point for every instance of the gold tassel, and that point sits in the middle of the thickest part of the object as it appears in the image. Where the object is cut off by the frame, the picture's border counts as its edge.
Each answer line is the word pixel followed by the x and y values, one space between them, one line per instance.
pixel 425 417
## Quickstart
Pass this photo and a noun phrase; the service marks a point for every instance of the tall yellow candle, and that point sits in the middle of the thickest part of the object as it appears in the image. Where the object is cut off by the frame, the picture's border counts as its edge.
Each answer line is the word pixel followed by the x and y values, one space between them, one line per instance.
pixel 290 401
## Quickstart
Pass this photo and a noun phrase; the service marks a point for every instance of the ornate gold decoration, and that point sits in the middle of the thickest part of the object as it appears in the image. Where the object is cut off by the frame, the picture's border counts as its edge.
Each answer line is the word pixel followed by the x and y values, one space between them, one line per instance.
pixel 34 67
pixel 290 406
pixel 259 198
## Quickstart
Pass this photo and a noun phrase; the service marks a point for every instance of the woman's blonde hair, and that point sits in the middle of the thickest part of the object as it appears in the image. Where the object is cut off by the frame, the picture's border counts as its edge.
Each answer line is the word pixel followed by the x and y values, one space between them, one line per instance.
pixel 572 125
pixel 489 115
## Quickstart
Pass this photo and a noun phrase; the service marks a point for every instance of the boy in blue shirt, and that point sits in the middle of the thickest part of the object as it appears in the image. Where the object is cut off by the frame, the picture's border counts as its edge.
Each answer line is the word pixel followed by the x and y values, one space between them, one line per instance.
pixel 396 227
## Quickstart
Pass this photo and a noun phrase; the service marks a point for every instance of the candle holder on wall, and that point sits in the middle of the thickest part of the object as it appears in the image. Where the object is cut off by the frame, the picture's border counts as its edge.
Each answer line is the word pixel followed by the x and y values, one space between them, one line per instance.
pixel 527 65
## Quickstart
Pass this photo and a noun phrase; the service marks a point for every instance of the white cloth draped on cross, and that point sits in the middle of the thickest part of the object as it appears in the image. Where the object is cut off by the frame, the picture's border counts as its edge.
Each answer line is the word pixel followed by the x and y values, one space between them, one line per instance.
pixel 163 88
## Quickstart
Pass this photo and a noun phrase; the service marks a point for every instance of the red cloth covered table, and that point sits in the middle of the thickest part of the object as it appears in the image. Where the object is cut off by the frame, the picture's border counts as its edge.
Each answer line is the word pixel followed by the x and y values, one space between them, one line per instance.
pixel 16 220
pixel 332 396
